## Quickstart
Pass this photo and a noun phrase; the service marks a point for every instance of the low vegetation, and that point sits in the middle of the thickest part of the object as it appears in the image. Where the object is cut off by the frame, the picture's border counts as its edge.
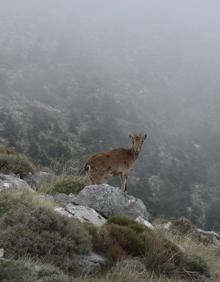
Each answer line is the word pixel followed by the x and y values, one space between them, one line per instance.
pixel 40 233
pixel 12 162
pixel 29 227
pixel 29 271
pixel 210 253
pixel 122 237
pixel 65 184
pixel 23 198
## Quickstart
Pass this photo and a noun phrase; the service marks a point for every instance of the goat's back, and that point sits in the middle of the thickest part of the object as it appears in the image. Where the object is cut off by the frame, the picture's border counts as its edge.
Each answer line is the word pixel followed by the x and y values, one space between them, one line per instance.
pixel 115 160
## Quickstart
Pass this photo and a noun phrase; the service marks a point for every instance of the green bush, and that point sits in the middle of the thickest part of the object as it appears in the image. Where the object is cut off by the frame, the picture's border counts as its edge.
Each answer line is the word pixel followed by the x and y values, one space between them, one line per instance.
pixel 24 270
pixel 119 238
pixel 122 237
pixel 12 162
pixel 161 255
pixel 65 184
pixel 41 233
pixel 126 221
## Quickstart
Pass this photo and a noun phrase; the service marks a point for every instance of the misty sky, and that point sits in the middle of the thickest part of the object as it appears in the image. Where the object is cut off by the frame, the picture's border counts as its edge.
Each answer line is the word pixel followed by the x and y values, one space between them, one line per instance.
pixel 172 46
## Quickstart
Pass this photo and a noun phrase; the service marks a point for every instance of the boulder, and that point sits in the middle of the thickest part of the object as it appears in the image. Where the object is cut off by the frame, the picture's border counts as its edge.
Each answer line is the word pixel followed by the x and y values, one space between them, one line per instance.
pixel 63 198
pixel 110 201
pixel 39 178
pixel 82 213
pixel 91 264
pixel 12 182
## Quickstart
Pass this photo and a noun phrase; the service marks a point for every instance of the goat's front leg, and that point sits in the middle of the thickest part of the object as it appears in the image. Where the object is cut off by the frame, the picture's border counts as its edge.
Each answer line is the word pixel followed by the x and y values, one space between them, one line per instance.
pixel 125 185
pixel 123 178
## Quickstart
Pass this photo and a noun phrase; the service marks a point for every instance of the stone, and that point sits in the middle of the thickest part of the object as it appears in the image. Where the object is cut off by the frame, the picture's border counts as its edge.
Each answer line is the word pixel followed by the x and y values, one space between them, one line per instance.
pixel 145 222
pixel 185 227
pixel 110 201
pixel 91 264
pixel 12 182
pixel 210 236
pixel 82 213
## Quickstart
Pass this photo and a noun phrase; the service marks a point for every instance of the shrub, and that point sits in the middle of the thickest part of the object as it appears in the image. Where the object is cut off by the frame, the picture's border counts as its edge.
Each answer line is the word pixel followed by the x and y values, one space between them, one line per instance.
pixel 24 270
pixel 121 237
pixel 65 184
pixel 161 255
pixel 41 233
pixel 126 221
pixel 183 226
pixel 195 266
pixel 107 246
pixel 127 238
pixel 12 162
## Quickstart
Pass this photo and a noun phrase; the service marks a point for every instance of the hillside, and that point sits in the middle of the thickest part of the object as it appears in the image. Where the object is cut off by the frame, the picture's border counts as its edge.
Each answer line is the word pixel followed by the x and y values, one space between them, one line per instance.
pixel 70 88
pixel 173 178
pixel 53 228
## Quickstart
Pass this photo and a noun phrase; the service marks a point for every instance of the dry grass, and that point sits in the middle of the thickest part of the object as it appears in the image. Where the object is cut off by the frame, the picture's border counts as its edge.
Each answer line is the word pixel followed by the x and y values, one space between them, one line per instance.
pixel 29 270
pixel 129 270
pixel 209 253
pixel 12 199
pixel 64 184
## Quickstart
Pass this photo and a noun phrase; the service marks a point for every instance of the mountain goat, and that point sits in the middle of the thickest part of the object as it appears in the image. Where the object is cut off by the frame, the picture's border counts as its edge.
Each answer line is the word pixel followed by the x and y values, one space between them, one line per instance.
pixel 118 161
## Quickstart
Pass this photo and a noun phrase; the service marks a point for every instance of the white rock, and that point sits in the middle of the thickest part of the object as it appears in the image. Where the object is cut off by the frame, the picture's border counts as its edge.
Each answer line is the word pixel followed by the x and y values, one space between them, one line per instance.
pixel 62 211
pixel 82 213
pixel 12 182
pixel 212 236
pixel 167 226
pixel 145 222
pixel 110 201
pixel 91 263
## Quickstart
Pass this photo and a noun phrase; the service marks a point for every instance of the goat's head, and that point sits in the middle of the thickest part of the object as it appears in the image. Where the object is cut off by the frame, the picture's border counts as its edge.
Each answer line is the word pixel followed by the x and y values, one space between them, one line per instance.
pixel 137 141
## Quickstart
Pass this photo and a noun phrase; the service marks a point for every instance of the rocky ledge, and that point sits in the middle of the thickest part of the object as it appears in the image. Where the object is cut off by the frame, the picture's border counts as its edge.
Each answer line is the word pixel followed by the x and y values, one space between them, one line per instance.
pixel 108 201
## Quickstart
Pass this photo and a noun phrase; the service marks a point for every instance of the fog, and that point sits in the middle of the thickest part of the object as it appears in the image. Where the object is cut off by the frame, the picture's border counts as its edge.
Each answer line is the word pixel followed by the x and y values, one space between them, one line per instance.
pixel 76 76
pixel 159 56
pixel 169 45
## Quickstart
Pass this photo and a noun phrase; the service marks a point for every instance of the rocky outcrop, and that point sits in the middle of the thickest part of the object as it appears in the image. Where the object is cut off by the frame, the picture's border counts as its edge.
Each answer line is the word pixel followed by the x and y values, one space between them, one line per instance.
pixel 91 264
pixel 185 227
pixel 209 236
pixel 12 182
pixel 82 213
pixel 108 201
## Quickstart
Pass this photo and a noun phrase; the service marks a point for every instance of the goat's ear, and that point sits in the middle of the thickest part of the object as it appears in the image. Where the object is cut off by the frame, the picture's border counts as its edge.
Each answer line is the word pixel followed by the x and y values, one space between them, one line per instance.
pixel 144 136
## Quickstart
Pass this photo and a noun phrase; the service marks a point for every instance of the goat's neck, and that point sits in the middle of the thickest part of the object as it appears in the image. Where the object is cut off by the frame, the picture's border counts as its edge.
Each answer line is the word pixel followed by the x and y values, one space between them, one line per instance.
pixel 134 153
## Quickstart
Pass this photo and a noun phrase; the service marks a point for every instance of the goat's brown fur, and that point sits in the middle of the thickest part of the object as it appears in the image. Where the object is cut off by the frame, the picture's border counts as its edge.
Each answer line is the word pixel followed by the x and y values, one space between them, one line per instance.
pixel 114 162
